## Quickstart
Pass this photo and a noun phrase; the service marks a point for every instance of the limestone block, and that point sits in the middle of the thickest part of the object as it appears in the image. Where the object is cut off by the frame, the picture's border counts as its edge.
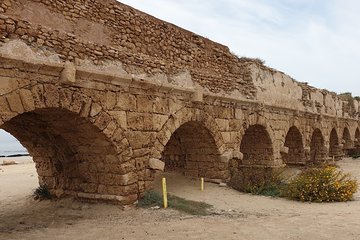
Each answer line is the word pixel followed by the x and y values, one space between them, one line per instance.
pixel 27 99
pixel 284 150
pixel 15 103
pixel 239 114
pixel 156 164
pixel 95 109
pixel 110 100
pixel 68 74
pixel 144 104
pixel 126 102
pixel 51 95
pixel 225 157
pixel 198 96
pixel 7 85
pixel 238 155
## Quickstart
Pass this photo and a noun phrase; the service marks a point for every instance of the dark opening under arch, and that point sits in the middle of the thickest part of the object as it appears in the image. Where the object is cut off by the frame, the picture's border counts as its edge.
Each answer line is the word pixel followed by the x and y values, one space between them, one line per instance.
pixel 357 138
pixel 317 147
pixel 294 142
pixel 71 154
pixel 334 150
pixel 346 141
pixel 256 146
pixel 192 151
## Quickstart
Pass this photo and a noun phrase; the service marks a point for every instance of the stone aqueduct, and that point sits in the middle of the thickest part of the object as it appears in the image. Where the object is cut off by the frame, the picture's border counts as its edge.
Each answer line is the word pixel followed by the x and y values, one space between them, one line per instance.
pixel 100 93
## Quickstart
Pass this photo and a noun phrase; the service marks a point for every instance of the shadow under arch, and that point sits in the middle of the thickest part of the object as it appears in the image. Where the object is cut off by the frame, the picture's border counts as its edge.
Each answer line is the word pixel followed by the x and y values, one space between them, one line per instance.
pixel 317 147
pixel 346 141
pixel 296 152
pixel 71 154
pixel 334 145
pixel 357 138
pixel 256 146
pixel 192 151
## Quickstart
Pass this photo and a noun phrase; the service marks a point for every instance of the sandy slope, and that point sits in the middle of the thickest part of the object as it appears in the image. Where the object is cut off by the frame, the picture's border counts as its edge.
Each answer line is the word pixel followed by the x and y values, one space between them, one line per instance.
pixel 241 216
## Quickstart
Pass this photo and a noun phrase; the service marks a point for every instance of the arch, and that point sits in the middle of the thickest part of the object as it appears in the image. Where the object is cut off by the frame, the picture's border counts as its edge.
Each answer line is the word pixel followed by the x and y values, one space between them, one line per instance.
pixel 78 148
pixel 180 118
pixel 68 150
pixel 357 138
pixel 294 142
pixel 192 151
pixel 317 147
pixel 334 150
pixel 346 141
pixel 256 146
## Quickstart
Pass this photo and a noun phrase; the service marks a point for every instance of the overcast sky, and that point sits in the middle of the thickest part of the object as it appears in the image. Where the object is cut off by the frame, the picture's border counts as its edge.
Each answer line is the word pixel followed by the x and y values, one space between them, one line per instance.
pixel 9 145
pixel 314 41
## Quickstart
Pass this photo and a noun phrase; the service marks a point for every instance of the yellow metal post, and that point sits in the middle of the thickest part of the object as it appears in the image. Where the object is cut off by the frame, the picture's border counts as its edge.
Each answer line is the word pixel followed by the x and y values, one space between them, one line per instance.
pixel 164 192
pixel 202 184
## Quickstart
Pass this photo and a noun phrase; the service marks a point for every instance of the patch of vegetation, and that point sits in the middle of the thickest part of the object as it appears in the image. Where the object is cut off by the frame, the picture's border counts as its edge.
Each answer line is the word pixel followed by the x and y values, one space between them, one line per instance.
pixel 272 187
pixel 255 60
pixel 324 184
pixel 265 183
pixel 355 155
pixel 42 193
pixel 188 206
pixel 152 199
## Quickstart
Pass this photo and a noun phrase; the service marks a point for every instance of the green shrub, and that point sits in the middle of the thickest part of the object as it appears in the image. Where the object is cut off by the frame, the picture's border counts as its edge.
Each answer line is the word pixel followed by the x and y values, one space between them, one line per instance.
pixel 325 184
pixel 355 155
pixel 152 199
pixel 42 192
pixel 188 206
pixel 262 182
pixel 270 187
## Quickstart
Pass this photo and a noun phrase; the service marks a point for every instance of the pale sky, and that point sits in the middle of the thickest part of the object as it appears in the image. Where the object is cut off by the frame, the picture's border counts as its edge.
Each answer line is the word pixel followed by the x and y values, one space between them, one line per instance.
pixel 314 41
pixel 9 145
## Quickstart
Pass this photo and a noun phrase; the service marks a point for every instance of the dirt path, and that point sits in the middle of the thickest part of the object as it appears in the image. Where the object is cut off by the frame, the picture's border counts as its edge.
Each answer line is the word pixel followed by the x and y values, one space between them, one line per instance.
pixel 242 216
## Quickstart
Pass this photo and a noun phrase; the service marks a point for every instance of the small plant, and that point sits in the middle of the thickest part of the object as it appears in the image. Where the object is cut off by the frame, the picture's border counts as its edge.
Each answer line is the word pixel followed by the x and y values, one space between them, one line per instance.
pixel 42 193
pixel 325 184
pixel 188 206
pixel 354 155
pixel 152 199
pixel 270 187
pixel 265 184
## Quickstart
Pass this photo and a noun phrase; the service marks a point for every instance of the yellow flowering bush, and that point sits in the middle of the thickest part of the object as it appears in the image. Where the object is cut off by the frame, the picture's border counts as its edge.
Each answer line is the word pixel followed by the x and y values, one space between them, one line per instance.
pixel 325 184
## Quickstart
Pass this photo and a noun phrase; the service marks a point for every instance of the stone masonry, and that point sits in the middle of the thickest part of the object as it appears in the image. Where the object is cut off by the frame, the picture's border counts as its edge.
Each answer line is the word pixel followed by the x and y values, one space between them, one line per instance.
pixel 103 95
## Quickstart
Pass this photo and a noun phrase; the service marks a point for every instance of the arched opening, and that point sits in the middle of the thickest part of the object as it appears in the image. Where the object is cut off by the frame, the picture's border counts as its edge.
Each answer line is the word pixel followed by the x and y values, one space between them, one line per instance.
pixel 317 147
pixel 296 153
pixel 335 149
pixel 357 138
pixel 192 151
pixel 71 155
pixel 346 141
pixel 256 146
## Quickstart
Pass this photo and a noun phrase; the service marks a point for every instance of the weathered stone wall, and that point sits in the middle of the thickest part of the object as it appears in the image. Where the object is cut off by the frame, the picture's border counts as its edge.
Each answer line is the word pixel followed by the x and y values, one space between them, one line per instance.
pixel 140 92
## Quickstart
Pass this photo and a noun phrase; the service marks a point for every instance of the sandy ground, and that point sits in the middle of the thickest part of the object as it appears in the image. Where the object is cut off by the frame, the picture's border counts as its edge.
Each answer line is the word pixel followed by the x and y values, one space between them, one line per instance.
pixel 239 216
